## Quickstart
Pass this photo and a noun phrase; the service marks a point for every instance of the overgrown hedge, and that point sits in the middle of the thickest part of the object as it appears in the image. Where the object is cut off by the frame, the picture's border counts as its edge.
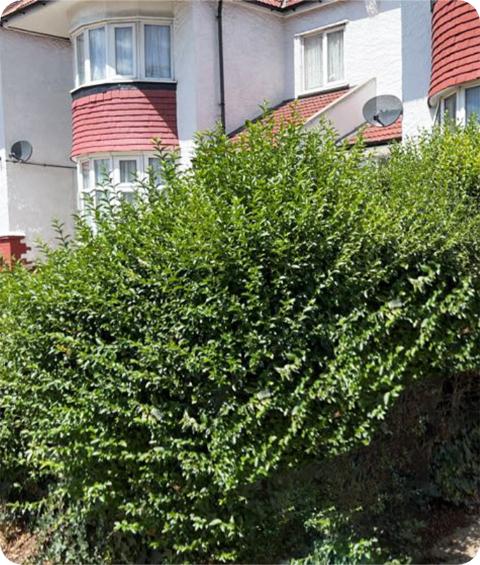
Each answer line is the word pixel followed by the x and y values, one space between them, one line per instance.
pixel 263 311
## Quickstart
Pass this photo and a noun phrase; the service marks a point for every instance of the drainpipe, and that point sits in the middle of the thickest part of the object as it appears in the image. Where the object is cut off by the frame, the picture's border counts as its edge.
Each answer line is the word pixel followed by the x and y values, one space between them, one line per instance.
pixel 221 63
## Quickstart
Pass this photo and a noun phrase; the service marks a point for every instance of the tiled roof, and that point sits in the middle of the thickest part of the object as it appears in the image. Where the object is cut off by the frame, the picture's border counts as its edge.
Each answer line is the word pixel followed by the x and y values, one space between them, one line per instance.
pixel 455 45
pixel 377 135
pixel 19 5
pixel 302 108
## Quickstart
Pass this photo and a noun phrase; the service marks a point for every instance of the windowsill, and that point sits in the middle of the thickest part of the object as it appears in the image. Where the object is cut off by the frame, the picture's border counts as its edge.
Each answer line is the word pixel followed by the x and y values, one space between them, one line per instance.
pixel 332 87
pixel 120 80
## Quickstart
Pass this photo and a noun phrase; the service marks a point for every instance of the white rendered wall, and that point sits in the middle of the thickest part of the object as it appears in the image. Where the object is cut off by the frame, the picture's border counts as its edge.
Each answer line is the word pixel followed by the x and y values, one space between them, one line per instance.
pixel 36 80
pixel 254 65
pixel 372 41
pixel 416 55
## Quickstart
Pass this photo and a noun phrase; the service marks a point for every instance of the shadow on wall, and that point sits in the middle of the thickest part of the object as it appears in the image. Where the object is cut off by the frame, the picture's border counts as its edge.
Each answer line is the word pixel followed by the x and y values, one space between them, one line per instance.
pixel 416 65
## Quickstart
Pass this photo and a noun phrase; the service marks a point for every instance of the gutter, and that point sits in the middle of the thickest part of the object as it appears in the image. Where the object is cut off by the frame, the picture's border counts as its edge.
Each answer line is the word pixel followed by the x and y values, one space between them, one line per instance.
pixel 221 63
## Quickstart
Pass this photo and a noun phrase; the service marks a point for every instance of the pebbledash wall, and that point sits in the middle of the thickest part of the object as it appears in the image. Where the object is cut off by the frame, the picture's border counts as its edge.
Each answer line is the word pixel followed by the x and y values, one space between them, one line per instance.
pixel 35 106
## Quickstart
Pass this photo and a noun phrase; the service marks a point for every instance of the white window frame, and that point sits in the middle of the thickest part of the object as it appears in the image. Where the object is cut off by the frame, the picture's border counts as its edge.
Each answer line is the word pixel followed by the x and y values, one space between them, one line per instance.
pixel 324 32
pixel 118 188
pixel 138 51
pixel 129 186
pixel 113 61
pixel 460 91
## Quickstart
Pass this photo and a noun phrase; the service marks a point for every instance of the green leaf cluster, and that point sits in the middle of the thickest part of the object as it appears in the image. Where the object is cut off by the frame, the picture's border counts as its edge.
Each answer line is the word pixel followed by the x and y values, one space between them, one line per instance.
pixel 265 308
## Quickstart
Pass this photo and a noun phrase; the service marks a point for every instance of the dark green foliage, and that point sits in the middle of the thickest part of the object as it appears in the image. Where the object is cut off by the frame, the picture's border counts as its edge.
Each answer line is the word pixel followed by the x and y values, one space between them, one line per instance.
pixel 265 310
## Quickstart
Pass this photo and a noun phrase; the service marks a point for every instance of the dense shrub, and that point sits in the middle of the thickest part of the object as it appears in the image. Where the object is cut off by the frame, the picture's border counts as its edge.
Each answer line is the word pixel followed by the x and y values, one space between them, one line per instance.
pixel 264 310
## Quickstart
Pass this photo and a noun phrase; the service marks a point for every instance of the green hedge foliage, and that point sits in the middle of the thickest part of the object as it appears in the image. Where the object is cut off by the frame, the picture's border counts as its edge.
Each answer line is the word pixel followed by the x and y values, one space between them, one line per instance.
pixel 265 309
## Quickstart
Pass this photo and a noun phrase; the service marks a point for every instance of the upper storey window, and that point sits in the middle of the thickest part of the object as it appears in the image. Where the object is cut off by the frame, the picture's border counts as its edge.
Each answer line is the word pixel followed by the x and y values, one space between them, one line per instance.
pixel 125 50
pixel 322 59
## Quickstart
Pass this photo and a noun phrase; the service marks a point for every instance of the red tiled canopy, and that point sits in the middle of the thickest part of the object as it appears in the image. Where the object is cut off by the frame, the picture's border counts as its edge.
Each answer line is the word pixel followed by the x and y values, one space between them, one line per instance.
pixel 373 135
pixel 304 108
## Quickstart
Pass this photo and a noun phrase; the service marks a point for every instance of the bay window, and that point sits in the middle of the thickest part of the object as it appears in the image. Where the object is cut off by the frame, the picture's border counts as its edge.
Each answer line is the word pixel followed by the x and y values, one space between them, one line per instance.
pixel 129 50
pixel 114 178
pixel 460 105
pixel 322 59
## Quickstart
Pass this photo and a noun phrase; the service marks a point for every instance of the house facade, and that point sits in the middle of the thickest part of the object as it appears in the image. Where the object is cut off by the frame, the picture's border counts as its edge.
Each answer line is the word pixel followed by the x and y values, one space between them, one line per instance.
pixel 90 83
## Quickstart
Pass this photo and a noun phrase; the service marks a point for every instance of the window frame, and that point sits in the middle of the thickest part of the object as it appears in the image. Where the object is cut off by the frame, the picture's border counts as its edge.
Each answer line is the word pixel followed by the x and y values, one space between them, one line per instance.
pixel 118 188
pixel 113 49
pixel 326 85
pixel 460 91
pixel 122 187
pixel 110 56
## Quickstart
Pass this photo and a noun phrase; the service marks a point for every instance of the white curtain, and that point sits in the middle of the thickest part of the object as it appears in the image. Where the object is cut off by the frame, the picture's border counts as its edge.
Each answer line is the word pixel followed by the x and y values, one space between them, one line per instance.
pixel 313 62
pixel 98 57
pixel 157 51
pixel 128 171
pixel 472 102
pixel 81 58
pixel 335 56
pixel 124 51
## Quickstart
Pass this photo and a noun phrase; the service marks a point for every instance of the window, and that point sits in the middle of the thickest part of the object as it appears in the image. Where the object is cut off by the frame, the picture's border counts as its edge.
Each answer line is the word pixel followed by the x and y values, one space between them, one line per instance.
pixel 322 59
pixel 80 45
pixel 154 169
pixel 98 53
pixel 157 51
pixel 450 107
pixel 124 51
pixel 472 102
pixel 460 105
pixel 114 178
pixel 111 51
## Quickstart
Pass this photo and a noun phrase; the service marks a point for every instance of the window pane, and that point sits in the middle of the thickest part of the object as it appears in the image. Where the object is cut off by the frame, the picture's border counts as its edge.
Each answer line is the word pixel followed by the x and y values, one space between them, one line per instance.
pixel 154 164
pixel 450 107
pixel 102 171
pixel 472 102
pixel 101 197
pixel 85 172
pixel 97 53
pixel 81 58
pixel 335 56
pixel 124 51
pixel 128 171
pixel 127 197
pixel 157 51
pixel 312 60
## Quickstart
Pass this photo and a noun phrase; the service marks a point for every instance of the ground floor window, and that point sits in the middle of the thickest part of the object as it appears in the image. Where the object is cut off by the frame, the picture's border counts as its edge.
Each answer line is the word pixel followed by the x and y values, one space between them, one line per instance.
pixel 460 104
pixel 113 178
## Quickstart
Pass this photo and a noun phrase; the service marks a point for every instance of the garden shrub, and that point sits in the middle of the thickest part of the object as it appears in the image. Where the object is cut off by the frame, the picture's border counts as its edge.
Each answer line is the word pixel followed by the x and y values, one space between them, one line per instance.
pixel 265 310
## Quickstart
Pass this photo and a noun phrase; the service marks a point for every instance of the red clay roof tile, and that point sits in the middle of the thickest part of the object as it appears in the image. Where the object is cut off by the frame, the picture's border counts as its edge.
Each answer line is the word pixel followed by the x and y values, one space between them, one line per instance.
pixel 304 108
pixel 373 135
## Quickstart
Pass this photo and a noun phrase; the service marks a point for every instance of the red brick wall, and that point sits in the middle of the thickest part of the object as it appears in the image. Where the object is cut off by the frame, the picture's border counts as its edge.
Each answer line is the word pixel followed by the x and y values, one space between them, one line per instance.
pixel 124 120
pixel 455 45
pixel 12 247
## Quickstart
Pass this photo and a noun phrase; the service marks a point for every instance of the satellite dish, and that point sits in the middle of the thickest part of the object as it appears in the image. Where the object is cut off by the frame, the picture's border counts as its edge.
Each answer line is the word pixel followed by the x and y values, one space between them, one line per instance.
pixel 382 111
pixel 21 151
